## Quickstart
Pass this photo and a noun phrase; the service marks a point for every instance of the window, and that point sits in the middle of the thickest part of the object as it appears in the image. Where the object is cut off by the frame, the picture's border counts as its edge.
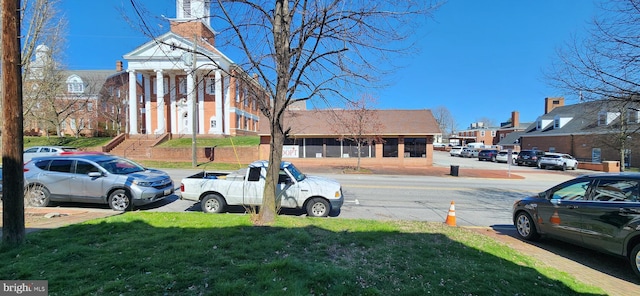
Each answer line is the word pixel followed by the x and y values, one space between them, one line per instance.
pixel 60 165
pixel 182 82
pixel 254 174
pixel 75 84
pixel 89 106
pixel 390 147
pixel 211 86
pixel 415 147
pixel 616 190
pixel 83 168
pixel 539 125
pixel 493 133
pixel 602 118
pixel 556 122
pixel 632 116
pixel 482 134
pixel 575 191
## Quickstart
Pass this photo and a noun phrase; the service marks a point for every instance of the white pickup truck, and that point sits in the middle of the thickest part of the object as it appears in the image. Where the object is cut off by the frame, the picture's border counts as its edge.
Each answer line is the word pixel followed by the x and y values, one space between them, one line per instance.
pixel 214 190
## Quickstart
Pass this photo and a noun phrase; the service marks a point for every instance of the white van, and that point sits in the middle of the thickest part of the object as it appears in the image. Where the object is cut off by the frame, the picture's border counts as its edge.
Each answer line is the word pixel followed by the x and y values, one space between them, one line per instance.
pixel 476 145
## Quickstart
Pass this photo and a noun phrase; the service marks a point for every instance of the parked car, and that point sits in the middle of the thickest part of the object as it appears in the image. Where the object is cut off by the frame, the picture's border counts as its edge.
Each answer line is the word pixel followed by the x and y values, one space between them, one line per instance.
pixel 503 156
pixel 597 211
pixel 215 191
pixel 469 153
pixel 37 151
pixel 488 154
pixel 93 178
pixel 529 157
pixel 456 151
pixel 558 160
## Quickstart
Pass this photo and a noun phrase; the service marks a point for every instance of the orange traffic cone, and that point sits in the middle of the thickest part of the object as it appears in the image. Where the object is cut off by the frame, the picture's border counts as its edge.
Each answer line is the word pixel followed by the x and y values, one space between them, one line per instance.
pixel 555 218
pixel 451 217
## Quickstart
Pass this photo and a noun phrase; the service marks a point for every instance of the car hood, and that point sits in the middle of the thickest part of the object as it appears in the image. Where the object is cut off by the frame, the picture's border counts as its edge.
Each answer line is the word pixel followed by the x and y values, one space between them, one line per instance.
pixel 321 186
pixel 150 175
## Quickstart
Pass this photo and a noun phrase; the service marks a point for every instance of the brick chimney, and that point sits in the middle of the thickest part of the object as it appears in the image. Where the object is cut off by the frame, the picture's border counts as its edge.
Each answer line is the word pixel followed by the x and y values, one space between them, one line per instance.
pixel 118 66
pixel 515 119
pixel 552 103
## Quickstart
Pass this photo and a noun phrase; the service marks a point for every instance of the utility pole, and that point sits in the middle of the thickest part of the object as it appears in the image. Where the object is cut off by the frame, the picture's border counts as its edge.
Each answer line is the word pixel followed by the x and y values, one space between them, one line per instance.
pixel 13 229
pixel 194 107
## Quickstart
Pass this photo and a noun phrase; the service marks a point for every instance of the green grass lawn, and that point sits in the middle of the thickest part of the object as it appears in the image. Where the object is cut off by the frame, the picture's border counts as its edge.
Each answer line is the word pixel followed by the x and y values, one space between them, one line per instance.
pixel 144 253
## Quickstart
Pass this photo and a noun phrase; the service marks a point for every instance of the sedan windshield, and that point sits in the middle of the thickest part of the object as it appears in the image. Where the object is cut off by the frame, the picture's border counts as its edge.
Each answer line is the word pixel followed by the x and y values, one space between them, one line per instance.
pixel 121 166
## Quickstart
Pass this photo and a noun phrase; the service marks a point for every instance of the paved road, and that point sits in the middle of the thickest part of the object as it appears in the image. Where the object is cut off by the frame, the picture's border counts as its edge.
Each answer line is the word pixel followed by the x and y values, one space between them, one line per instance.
pixel 478 201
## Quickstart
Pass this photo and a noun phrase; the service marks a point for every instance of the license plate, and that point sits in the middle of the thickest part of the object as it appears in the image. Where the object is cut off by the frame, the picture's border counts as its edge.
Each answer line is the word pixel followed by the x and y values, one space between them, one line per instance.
pixel 167 191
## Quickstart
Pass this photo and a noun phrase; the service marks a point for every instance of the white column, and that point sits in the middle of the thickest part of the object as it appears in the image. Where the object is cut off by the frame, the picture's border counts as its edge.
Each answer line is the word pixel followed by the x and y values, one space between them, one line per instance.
pixel 147 103
pixel 201 119
pixel 133 106
pixel 191 96
pixel 172 98
pixel 160 101
pixel 220 99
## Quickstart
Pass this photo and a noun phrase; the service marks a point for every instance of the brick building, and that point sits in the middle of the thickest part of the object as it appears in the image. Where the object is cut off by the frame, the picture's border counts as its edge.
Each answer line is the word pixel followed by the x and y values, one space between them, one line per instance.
pixel 592 131
pixel 403 138
pixel 183 92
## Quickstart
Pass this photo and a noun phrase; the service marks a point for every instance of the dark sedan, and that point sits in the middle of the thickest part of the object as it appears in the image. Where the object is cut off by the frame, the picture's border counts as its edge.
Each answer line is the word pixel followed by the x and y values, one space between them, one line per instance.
pixel 598 211
pixel 488 154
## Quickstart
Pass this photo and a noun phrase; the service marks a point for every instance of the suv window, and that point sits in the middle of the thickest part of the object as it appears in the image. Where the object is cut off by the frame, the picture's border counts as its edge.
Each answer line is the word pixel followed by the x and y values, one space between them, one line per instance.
pixel 61 165
pixel 42 164
pixel 83 167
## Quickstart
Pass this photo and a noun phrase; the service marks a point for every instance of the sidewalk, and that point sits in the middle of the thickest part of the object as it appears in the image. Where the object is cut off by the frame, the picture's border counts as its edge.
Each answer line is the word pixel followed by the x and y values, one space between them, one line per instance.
pixel 55 217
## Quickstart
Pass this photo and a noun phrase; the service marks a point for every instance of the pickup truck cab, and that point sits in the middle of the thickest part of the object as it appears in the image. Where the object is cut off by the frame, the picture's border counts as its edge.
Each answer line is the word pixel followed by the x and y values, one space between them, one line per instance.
pixel 215 191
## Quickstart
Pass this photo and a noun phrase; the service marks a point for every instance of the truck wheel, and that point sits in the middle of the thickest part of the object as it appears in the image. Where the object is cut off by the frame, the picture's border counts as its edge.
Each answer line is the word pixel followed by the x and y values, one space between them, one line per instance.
pixel 634 259
pixel 213 203
pixel 318 207
pixel 525 227
pixel 120 200
pixel 37 196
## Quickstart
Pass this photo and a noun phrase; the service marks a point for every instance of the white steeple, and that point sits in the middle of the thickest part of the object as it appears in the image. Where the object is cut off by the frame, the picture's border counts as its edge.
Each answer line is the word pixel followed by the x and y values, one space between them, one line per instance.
pixel 189 10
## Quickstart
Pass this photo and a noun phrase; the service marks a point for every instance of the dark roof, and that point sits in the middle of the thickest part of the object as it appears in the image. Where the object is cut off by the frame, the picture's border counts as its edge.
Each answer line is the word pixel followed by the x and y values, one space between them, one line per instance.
pixel 324 122
pixel 581 119
pixel 511 139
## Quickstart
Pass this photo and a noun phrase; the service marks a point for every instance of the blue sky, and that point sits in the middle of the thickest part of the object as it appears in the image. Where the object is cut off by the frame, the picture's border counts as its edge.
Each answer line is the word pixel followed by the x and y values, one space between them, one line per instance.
pixel 478 58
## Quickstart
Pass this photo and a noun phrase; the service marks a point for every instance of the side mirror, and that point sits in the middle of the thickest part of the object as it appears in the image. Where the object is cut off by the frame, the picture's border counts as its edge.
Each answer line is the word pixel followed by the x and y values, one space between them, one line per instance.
pixel 95 174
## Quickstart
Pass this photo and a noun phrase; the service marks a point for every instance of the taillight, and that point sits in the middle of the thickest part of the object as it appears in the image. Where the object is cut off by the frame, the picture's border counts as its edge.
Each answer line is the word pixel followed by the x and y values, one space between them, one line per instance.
pixel 181 187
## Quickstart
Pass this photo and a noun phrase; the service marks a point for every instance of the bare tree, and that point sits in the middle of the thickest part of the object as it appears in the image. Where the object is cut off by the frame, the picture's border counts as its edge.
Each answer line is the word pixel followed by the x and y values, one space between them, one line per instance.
pixel 299 50
pixel 604 65
pixel 358 123
pixel 112 103
pixel 445 120
pixel 41 50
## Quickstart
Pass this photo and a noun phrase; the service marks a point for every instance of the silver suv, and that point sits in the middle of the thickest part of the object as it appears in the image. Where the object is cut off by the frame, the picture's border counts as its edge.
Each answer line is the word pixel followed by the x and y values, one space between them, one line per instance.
pixel 93 178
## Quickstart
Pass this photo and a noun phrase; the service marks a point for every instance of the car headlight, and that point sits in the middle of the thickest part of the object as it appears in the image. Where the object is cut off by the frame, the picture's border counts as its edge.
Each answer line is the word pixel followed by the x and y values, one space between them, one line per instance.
pixel 143 183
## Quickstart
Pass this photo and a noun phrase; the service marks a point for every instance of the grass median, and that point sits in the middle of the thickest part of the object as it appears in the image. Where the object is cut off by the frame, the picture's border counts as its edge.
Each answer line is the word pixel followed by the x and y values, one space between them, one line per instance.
pixel 145 253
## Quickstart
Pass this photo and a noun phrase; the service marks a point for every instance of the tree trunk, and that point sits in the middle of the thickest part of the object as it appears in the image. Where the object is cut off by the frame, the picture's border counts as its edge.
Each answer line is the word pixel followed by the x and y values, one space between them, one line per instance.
pixel 359 153
pixel 269 208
